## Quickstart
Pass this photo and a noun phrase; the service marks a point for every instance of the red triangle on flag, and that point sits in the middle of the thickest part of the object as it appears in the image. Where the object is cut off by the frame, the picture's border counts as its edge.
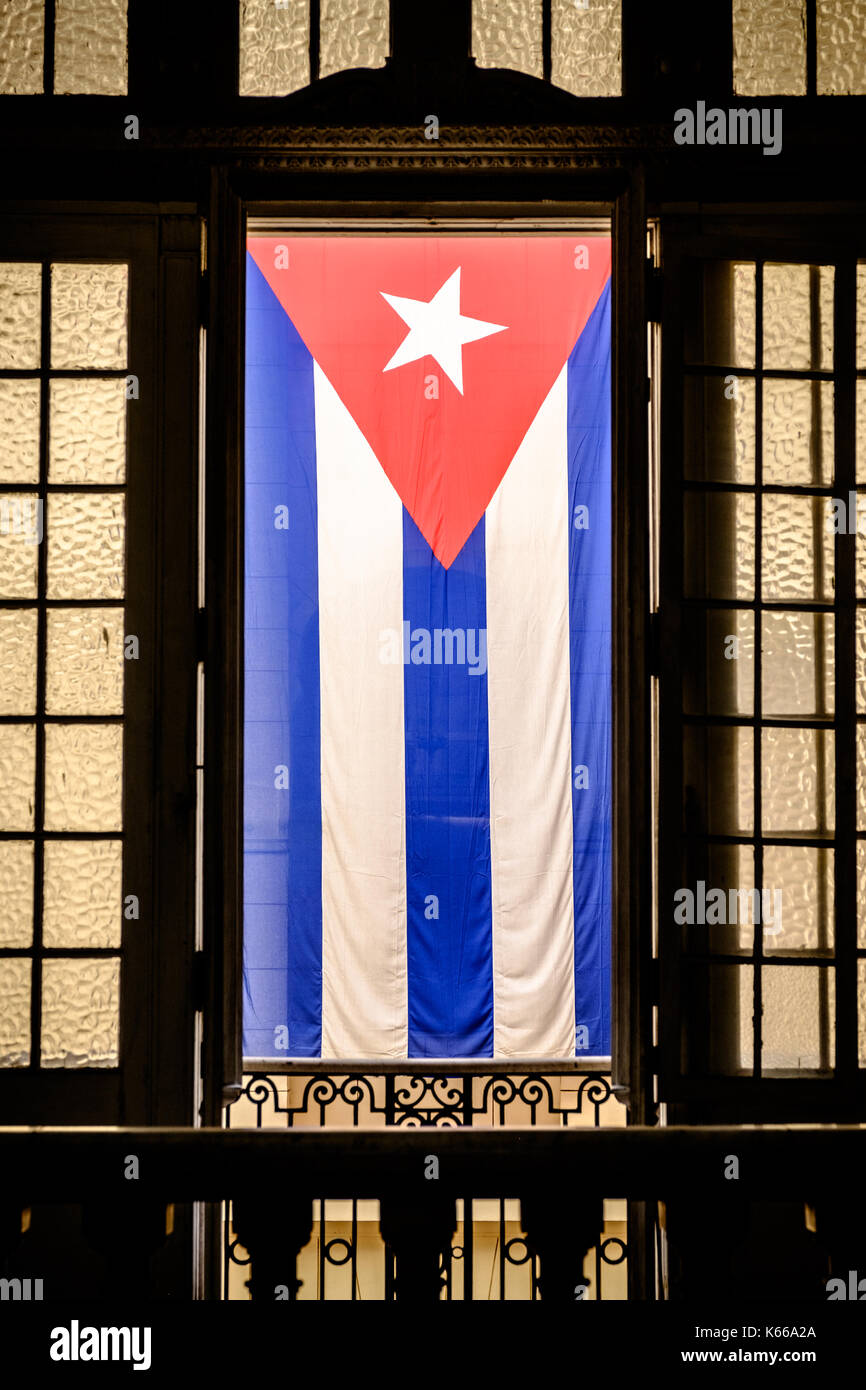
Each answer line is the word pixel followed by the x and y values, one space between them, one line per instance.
pixel 444 450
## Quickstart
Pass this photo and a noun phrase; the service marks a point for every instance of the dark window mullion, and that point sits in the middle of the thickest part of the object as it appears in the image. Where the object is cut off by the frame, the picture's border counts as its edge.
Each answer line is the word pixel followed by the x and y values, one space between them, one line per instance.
pixel 48 50
pixel 546 40
pixel 315 39
pixel 811 49
pixel 845 867
pixel 757 750
pixel 41 642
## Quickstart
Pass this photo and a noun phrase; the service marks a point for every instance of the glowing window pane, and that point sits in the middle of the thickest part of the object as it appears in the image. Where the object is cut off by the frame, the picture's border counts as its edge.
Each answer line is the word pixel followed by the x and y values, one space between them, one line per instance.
pixel 507 34
pixel 88 315
pixel 769 47
pixel 88 431
pixel 85 661
pixel 80 1013
pixel 841 44
pixel 82 886
pixel 19 431
pixel 18 661
pixel 586 47
pixel 83 776
pixel 354 34
pixel 14 1012
pixel 85 545
pixel 20 302
pixel 274 47
pixel 90 52
pixel 16 893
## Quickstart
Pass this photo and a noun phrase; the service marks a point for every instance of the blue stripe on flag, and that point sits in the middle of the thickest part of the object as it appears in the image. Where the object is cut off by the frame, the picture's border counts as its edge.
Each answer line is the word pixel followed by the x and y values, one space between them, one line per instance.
pixel 282 826
pixel 447 802
pixel 589 581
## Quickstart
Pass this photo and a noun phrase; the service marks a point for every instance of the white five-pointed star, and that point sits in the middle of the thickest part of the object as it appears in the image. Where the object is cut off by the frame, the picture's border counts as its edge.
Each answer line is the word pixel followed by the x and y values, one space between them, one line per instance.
pixel 438 329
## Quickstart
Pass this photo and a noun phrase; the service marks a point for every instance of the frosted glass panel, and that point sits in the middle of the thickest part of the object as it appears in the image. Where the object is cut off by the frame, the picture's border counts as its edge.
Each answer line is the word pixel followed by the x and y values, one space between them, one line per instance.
pixel 83 781
pixel 719 429
pixel 17 661
pixel 798 664
pixel 20 301
pixel 80 1014
pixel 88 316
pixel 21 528
pixel 21 47
pixel 798 317
pixel 85 545
pixel 14 1013
pixel 718 806
pixel 797 548
pixel 274 47
pixel 729 519
pixel 798 431
pixel 861 431
pixel 861 314
pixel 88 431
pixel 19 431
pixel 85 661
pixel 16 893
pixel 841 36
pixel 82 905
pixel 586 47
pixel 860 659
pixel 792 1002
pixel 90 47
pixel 507 34
pixel 720 317
pixel 797 779
pixel 354 34
pixel 769 47
pixel 861 1010
pixel 719 664
pixel 861 778
pixel 17 776
pixel 804 878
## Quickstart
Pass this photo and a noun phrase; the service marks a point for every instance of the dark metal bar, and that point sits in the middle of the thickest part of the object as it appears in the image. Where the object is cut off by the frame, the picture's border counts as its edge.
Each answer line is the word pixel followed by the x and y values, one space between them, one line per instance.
pixel 315 39
pixel 757 749
pixel 41 653
pixel 811 49
pixel 546 39
pixel 48 50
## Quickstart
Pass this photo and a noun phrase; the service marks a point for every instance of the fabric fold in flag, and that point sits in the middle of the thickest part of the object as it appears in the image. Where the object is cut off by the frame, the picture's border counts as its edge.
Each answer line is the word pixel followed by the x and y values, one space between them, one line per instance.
pixel 427 639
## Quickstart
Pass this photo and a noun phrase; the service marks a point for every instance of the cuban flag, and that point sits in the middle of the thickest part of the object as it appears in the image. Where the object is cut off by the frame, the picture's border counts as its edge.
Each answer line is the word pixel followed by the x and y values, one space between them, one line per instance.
pixel 427 616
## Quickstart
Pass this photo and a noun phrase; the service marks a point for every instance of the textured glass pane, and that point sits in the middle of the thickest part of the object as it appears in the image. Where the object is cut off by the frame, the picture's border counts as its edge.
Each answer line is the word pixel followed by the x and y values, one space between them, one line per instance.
pixel 88 315
pixel 797 779
pixel 718 769
pixel 860 660
pixel 80 1013
pixel 20 303
pixel 507 34
pixel 719 422
pixel 719 661
pixel 856 527
pixel 88 431
pixel 798 670
pixel 730 868
pixel 800 881
pixel 85 661
pixel 795 1001
pixel 798 431
pixel 861 776
pixel 586 47
pixel 769 47
pixel 861 893
pixel 17 776
pixel 15 1013
pixel 841 42
pixel 861 314
pixel 715 996
pixel 719 550
pixel 798 317
pixel 82 905
pixel 21 47
pixel 354 34
pixel 90 47
pixel 861 431
pixel 85 545
pixel 274 47
pixel 21 529
pixel 720 313
pixel 19 431
pixel 83 776
pixel 16 893
pixel 17 661
pixel 797 548
pixel 861 1010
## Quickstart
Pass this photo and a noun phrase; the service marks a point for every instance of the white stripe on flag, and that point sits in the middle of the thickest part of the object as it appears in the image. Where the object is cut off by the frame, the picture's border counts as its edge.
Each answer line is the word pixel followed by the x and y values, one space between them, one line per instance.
pixel 531 827
pixel 364 986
